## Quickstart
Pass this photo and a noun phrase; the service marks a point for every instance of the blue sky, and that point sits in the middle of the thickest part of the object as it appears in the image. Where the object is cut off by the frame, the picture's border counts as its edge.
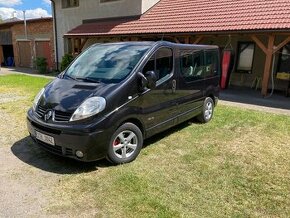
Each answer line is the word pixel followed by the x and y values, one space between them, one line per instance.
pixel 32 4
pixel 34 8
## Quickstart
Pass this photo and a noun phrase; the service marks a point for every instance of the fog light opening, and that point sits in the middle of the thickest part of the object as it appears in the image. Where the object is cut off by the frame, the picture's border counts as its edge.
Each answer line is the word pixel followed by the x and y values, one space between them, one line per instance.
pixel 79 154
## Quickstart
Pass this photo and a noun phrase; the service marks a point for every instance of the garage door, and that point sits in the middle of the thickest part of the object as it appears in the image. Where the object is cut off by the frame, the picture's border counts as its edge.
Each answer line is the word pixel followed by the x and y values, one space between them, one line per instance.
pixel 25 54
pixel 43 49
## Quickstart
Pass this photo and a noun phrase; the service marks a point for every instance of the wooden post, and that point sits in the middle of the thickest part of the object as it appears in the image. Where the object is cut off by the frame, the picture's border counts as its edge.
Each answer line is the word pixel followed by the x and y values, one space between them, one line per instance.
pixel 269 51
pixel 73 46
pixel 198 40
pixel 282 44
pixel 268 65
pixel 83 44
pixel 176 40
pixel 79 45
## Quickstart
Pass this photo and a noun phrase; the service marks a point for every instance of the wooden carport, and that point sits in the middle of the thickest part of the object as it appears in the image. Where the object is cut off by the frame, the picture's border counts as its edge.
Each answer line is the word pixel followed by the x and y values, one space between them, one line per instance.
pixel 270 49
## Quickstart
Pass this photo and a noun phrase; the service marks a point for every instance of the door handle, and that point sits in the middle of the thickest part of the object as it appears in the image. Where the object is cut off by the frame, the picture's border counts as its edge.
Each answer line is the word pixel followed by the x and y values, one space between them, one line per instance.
pixel 173 86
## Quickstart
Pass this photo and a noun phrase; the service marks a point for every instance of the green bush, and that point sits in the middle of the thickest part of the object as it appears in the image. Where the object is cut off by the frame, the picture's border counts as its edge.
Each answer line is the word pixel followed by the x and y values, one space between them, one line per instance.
pixel 41 65
pixel 66 60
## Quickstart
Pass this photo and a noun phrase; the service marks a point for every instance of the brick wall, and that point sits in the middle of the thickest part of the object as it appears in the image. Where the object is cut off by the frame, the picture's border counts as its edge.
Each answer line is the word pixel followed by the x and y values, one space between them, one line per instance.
pixel 37 30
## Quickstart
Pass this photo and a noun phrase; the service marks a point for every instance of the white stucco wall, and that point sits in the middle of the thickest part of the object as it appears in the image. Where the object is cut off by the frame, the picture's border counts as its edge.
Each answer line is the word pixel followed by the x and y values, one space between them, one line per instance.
pixel 69 18
pixel 147 4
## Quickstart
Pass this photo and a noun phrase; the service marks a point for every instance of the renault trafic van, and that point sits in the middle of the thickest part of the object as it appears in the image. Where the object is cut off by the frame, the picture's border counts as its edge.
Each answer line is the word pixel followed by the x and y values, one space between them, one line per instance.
pixel 115 95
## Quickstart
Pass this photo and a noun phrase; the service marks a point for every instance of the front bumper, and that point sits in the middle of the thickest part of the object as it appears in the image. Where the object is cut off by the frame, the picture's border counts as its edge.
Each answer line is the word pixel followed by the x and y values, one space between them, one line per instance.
pixel 69 139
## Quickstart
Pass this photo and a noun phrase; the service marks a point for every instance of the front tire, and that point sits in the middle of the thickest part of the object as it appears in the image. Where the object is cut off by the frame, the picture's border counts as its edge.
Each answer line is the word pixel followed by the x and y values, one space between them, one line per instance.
pixel 125 144
pixel 207 111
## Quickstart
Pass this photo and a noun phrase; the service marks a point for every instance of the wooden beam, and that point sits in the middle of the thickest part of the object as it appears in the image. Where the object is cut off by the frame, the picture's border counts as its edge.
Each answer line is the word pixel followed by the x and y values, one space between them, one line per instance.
pixel 191 40
pixel 198 40
pixel 282 44
pixel 135 38
pixel 268 65
pixel 187 39
pixel 176 40
pixel 73 46
pixel 83 43
pixel 79 42
pixel 259 43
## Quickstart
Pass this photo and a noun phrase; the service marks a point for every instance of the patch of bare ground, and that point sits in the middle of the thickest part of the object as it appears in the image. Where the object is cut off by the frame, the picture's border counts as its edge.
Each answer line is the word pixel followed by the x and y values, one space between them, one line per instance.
pixel 19 185
pixel 29 174
pixel 9 97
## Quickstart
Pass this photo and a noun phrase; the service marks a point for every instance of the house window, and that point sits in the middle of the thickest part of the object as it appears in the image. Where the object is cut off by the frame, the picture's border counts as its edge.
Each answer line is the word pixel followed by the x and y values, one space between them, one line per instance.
pixel 284 60
pixel 70 3
pixel 245 57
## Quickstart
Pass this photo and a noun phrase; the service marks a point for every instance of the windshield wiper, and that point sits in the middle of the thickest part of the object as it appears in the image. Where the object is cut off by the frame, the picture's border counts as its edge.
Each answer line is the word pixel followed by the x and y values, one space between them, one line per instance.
pixel 88 79
pixel 65 75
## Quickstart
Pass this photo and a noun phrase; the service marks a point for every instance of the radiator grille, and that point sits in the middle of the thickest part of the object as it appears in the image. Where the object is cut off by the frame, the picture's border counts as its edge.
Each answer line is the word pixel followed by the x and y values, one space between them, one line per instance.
pixel 59 116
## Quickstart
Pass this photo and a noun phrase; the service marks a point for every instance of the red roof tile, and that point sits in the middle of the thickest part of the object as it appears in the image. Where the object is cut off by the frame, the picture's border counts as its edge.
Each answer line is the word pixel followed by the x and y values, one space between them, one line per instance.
pixel 175 16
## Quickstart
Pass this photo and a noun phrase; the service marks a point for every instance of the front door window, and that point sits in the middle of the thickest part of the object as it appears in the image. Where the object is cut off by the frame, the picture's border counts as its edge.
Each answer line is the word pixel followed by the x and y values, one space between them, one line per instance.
pixel 161 63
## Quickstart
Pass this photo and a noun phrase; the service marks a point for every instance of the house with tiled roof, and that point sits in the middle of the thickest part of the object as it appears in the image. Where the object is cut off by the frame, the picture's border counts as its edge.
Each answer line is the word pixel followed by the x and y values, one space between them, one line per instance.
pixel 21 43
pixel 258 31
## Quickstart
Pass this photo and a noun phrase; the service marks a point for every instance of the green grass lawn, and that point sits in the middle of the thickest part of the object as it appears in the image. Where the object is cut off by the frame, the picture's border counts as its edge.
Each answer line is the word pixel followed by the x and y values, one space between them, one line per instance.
pixel 238 165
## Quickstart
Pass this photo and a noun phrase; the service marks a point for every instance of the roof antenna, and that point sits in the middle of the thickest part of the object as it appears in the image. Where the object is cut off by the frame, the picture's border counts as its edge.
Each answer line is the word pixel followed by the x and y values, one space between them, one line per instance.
pixel 162 37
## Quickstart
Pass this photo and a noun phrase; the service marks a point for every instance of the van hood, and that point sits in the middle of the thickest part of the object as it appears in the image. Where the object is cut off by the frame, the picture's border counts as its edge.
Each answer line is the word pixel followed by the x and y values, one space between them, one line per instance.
pixel 67 95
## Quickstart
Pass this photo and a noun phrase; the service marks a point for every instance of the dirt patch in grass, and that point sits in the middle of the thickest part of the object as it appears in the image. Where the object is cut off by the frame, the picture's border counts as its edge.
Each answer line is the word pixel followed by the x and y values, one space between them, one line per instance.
pixel 20 193
pixel 5 98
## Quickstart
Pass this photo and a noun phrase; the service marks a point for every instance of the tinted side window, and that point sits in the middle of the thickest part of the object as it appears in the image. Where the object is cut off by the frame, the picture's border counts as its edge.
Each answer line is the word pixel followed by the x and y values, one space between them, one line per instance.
pixel 150 66
pixel 211 64
pixel 164 62
pixel 191 65
pixel 161 63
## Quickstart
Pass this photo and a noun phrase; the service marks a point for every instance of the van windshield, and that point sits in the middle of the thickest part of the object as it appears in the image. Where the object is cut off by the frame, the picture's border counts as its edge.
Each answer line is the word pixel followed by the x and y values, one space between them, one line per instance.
pixel 106 63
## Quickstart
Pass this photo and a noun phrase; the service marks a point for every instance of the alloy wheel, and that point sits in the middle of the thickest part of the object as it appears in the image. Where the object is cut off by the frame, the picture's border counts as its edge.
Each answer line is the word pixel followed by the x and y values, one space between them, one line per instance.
pixel 125 144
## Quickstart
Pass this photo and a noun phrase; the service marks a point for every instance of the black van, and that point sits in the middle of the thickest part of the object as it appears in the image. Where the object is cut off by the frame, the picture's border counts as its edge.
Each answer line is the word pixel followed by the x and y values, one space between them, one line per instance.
pixel 115 95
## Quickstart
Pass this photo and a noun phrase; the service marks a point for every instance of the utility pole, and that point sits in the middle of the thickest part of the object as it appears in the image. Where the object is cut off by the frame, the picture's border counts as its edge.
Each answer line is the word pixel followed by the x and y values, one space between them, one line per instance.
pixel 25 25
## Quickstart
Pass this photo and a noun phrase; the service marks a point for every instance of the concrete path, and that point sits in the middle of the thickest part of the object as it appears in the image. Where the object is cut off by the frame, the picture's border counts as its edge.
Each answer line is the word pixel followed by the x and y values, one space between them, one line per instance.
pixel 24 71
pixel 252 99
pixel 256 107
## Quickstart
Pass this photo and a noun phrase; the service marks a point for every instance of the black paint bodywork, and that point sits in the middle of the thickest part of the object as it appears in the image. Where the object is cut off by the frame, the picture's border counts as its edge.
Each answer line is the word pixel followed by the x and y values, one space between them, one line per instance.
pixel 152 111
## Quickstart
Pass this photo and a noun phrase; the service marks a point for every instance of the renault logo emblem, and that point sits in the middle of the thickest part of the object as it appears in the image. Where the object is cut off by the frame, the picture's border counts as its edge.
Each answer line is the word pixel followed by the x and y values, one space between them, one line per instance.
pixel 48 115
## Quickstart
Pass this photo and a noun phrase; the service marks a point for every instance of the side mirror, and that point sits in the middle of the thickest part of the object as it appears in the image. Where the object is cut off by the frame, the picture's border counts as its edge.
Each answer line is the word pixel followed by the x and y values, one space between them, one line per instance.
pixel 147 80
pixel 143 82
pixel 60 75
pixel 151 78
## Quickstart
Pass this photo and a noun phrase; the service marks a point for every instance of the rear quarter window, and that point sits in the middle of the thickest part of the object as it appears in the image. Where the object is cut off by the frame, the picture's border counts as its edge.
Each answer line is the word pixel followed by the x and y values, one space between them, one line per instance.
pixel 211 63
pixel 191 65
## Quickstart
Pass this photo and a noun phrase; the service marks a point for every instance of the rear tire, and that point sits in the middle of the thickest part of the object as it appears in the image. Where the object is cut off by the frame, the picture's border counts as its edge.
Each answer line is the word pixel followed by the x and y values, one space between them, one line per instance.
pixel 125 144
pixel 207 111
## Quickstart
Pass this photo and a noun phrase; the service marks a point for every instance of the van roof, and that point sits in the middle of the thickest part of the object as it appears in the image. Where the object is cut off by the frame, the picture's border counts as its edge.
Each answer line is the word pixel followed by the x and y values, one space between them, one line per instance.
pixel 166 43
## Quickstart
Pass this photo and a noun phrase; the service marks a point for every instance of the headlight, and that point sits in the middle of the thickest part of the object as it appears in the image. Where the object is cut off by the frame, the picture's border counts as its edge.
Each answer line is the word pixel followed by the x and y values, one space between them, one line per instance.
pixel 88 108
pixel 37 98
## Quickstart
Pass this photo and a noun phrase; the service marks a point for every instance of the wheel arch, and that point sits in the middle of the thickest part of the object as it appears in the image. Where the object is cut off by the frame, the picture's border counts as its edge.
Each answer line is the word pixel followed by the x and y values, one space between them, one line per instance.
pixel 136 122
pixel 212 97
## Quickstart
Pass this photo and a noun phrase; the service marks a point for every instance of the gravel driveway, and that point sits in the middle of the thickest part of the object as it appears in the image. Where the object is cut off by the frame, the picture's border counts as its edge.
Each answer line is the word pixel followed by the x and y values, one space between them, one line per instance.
pixel 29 174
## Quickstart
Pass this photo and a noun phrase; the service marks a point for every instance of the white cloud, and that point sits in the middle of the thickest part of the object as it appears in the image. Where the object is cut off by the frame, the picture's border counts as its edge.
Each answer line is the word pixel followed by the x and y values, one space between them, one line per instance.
pixel 36 13
pixel 48 2
pixel 10 3
pixel 7 13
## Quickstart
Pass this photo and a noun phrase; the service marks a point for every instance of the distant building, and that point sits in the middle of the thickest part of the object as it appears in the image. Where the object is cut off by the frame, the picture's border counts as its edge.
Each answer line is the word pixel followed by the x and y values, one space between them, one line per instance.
pixel 72 13
pixel 257 30
pixel 19 49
